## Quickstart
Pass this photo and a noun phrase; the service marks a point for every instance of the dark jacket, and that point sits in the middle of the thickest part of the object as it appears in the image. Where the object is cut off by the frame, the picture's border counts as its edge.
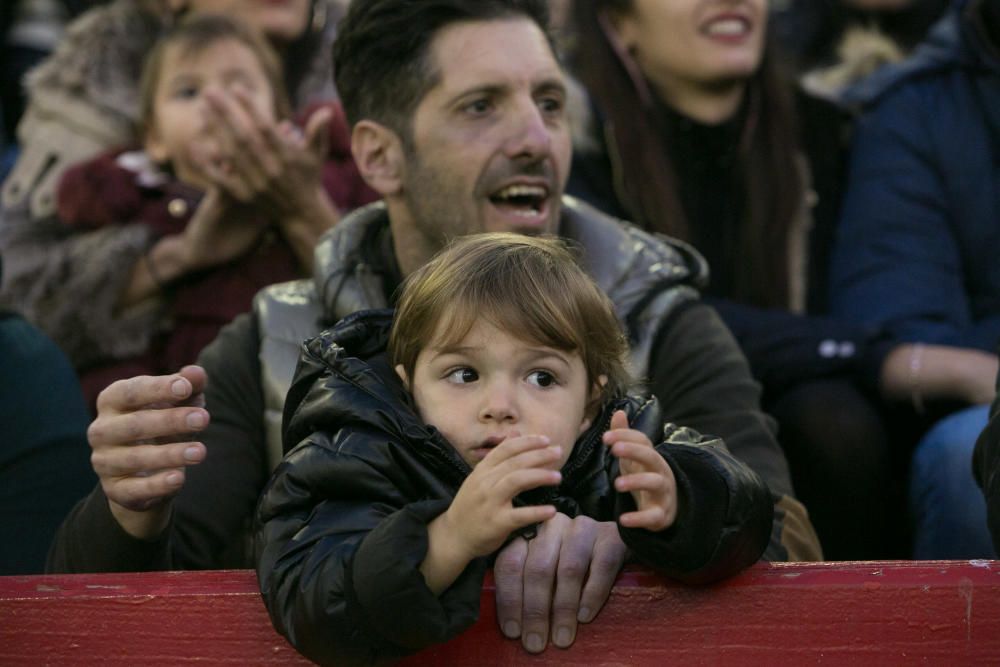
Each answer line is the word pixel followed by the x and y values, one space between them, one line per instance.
pixel 122 187
pixel 344 516
pixel 986 468
pixel 694 368
pixel 784 348
pixel 917 246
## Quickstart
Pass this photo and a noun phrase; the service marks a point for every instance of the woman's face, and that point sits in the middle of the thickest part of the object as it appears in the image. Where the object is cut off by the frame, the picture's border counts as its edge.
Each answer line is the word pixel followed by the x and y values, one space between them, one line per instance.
pixel 283 21
pixel 702 43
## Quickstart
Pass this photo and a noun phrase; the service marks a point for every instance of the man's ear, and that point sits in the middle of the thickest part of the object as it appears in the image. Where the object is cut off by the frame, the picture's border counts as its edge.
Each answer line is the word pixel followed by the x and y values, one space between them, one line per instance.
pixel 401 372
pixel 378 152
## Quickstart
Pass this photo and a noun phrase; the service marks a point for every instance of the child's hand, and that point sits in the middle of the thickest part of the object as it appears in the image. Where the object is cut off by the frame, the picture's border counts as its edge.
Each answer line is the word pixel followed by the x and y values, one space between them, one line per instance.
pixel 482 514
pixel 645 474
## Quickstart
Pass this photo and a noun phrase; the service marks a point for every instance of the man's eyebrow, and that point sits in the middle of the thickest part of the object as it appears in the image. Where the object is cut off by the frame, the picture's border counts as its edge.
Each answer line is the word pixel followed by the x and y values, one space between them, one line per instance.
pixel 554 84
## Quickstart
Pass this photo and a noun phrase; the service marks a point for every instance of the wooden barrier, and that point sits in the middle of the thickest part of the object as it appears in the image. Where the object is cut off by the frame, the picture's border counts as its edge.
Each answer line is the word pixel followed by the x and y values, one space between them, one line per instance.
pixel 862 613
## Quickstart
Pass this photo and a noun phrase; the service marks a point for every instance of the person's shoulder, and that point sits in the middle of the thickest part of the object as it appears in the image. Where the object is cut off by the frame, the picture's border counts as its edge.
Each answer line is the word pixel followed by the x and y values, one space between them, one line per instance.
pixel 620 247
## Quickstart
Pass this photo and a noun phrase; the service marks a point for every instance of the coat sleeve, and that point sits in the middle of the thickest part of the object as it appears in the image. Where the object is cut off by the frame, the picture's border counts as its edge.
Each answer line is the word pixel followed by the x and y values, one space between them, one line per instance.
pixel 986 468
pixel 703 381
pixel 50 270
pixel 785 348
pixel 898 260
pixel 724 517
pixel 339 552
pixel 228 481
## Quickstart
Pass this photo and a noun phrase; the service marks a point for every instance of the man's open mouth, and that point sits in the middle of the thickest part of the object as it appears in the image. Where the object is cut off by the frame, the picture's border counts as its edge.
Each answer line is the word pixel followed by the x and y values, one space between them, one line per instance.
pixel 527 200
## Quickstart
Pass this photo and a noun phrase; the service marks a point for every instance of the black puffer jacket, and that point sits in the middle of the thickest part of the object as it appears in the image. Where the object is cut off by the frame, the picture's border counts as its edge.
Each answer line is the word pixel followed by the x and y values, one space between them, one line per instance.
pixel 344 518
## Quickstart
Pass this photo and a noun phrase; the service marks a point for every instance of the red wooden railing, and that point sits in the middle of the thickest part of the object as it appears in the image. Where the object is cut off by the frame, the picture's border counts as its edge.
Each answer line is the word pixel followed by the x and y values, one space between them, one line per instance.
pixel 862 613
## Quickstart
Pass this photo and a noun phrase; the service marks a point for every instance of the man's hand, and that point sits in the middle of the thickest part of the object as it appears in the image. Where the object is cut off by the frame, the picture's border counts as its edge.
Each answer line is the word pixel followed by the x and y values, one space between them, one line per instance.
pixel 141 445
pixel 564 575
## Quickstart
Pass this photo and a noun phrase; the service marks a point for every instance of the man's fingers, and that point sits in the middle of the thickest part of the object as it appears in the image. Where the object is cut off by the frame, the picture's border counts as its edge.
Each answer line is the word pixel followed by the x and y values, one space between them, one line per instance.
pixel 128 461
pixel 539 582
pixel 145 426
pixel 574 563
pixel 141 493
pixel 198 378
pixel 507 575
pixel 605 563
pixel 142 391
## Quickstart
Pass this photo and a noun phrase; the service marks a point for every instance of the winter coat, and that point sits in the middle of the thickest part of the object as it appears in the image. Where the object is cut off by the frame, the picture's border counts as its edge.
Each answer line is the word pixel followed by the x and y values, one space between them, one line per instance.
pixel 785 347
pixel 917 246
pixel 83 100
pixel 343 519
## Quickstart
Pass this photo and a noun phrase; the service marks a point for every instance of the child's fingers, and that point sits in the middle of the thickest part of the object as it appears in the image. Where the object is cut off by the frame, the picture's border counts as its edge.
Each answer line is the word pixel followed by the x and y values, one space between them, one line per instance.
pixel 529 514
pixel 626 435
pixel 653 518
pixel 640 454
pixel 619 420
pixel 514 446
pixel 518 481
pixel 653 482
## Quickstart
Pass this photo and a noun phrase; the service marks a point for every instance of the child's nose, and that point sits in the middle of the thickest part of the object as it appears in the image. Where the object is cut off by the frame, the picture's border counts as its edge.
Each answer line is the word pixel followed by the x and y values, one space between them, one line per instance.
pixel 500 404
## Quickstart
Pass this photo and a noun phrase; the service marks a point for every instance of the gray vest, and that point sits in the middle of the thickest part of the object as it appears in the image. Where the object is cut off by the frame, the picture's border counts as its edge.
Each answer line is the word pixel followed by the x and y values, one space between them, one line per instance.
pixel 646 277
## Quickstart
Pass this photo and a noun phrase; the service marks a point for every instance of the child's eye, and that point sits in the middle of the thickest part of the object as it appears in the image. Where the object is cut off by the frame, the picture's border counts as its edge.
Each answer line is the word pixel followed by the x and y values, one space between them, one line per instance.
pixel 463 376
pixel 542 379
pixel 185 92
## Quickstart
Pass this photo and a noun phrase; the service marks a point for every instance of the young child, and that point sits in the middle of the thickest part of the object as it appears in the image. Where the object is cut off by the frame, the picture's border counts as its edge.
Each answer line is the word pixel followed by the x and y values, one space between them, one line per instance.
pixel 204 244
pixel 500 401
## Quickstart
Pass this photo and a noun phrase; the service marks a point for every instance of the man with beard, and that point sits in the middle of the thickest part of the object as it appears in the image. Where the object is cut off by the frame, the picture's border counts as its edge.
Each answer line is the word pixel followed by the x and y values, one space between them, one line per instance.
pixel 459 121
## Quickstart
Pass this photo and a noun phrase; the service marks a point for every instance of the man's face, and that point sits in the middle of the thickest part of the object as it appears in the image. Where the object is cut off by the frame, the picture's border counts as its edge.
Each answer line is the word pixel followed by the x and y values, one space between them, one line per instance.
pixel 490 144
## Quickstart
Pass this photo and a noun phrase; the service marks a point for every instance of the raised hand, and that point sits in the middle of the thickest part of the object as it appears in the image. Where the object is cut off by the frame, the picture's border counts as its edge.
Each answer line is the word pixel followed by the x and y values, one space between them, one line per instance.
pixel 643 473
pixel 273 166
pixel 141 443
pixel 482 515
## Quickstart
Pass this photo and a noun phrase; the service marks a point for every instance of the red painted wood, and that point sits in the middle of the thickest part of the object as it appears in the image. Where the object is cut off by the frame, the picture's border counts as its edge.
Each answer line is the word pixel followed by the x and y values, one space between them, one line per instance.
pixel 873 613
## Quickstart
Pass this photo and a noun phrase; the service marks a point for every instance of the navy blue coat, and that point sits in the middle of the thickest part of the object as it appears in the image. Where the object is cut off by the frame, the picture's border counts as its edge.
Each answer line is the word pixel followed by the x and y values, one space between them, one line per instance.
pixel 917 247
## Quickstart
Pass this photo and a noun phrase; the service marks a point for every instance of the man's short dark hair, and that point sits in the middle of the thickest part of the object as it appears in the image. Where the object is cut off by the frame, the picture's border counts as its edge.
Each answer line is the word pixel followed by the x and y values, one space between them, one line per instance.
pixel 381 54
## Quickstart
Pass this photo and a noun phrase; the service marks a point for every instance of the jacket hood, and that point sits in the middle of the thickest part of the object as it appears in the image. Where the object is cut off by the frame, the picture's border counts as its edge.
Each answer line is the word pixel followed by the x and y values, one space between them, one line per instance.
pixel 344 378
pixel 955 40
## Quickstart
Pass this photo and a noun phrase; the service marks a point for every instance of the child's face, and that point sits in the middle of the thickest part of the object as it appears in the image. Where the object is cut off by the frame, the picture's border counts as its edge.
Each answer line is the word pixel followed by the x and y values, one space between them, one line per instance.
pixel 180 119
pixel 492 386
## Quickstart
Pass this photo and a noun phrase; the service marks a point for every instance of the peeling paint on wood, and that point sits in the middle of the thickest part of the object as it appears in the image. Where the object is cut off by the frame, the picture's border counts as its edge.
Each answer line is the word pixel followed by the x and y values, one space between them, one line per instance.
pixel 863 613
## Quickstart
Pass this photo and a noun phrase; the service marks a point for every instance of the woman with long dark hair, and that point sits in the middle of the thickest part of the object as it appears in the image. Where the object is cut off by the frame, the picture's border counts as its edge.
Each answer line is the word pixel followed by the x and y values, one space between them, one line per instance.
pixel 697 134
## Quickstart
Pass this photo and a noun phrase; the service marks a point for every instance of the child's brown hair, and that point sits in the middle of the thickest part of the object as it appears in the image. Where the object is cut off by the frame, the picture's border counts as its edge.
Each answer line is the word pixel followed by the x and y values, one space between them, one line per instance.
pixel 531 287
pixel 193 35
